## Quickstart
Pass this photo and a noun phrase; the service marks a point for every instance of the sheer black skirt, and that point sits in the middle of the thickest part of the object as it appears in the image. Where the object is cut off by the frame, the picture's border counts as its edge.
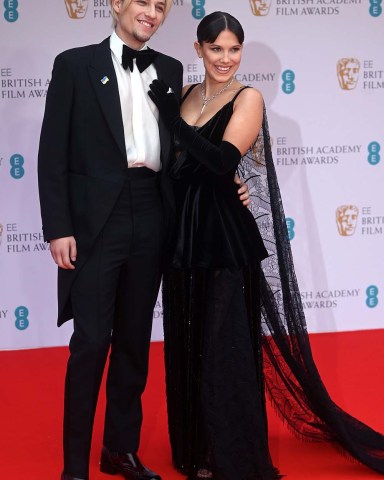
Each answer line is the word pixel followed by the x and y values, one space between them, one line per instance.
pixel 214 367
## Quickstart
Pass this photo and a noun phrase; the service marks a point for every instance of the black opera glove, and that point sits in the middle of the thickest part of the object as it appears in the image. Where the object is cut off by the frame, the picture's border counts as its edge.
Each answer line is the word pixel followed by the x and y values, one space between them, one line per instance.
pixel 220 159
pixel 165 100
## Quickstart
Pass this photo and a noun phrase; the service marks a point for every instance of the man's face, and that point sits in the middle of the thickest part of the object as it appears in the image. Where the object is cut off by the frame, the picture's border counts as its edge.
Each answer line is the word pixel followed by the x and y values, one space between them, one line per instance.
pixel 139 20
pixel 349 75
pixel 260 8
pixel 76 8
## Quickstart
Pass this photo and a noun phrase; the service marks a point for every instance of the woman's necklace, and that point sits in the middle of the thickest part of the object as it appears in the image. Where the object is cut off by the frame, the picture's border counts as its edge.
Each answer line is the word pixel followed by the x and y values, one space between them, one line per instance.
pixel 206 100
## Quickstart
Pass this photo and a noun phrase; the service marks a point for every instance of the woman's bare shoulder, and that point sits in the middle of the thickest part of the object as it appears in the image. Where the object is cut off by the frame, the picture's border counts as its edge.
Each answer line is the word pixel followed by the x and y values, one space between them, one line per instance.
pixel 250 95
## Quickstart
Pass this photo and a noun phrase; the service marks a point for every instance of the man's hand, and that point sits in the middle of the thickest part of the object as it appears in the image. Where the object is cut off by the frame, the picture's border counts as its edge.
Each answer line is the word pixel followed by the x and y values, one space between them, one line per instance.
pixel 243 191
pixel 64 252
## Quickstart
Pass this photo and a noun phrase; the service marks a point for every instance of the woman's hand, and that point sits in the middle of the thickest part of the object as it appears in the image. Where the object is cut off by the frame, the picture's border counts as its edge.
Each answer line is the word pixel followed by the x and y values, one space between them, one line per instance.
pixel 166 101
pixel 243 191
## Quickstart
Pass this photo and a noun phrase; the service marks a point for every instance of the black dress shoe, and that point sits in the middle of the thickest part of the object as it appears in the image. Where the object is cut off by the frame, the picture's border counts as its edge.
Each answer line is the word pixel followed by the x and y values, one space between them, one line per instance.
pixel 127 464
pixel 65 476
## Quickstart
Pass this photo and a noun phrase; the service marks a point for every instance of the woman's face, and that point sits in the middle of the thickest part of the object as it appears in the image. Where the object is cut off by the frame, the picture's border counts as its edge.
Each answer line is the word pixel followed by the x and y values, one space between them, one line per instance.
pixel 222 57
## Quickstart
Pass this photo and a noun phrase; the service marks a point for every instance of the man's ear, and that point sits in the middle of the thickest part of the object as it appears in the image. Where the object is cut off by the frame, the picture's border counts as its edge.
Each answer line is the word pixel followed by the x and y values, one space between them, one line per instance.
pixel 116 4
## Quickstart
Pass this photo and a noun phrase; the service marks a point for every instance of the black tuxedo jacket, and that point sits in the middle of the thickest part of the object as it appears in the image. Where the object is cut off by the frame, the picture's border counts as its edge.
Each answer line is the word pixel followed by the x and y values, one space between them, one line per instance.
pixel 82 155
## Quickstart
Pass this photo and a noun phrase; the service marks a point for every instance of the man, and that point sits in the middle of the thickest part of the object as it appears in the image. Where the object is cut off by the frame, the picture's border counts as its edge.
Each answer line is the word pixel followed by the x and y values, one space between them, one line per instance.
pixel 106 224
pixel 105 221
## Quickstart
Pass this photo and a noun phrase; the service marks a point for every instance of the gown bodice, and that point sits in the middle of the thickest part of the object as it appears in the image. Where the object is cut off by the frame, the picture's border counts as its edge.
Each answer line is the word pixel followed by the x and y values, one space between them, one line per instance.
pixel 213 228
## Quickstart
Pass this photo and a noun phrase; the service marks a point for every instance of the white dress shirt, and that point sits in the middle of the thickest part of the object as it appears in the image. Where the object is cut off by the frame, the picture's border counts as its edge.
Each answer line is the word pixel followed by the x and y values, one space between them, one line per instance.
pixel 140 115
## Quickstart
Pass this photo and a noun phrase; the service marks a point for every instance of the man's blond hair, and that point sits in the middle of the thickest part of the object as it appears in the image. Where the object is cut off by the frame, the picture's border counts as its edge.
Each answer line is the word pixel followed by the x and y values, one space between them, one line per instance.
pixel 125 3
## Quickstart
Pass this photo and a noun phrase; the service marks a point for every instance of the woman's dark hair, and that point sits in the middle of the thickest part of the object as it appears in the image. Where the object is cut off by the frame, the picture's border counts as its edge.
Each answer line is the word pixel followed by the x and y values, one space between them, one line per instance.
pixel 213 24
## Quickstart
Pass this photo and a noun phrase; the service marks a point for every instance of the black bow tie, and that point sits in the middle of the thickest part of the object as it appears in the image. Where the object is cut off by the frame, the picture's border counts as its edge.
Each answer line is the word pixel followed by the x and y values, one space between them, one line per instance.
pixel 144 58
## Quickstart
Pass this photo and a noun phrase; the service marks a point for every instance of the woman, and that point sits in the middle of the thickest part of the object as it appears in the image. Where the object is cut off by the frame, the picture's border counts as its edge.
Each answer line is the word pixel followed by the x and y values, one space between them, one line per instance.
pixel 233 320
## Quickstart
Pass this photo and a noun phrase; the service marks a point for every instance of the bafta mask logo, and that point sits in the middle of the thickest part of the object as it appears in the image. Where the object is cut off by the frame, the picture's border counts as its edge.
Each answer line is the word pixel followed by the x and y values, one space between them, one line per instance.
pixel 346 219
pixel 348 72
pixel 260 8
pixel 1 232
pixel 76 8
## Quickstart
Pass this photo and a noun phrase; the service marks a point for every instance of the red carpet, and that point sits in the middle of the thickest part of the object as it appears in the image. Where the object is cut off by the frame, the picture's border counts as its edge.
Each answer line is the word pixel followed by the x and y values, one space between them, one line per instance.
pixel 31 392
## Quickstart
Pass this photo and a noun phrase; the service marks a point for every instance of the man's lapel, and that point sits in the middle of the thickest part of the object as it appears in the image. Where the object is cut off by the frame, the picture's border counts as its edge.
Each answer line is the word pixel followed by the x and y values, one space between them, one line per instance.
pixel 104 81
pixel 165 139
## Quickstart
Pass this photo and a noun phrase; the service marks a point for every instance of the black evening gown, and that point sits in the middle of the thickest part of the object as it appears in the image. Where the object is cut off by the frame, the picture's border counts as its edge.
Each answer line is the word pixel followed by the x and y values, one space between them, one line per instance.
pixel 234 326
